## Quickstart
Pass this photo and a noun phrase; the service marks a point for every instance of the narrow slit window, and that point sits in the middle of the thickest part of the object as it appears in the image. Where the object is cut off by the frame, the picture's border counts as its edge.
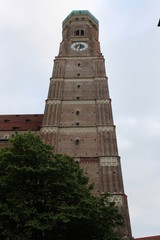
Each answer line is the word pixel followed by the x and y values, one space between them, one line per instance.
pixel 77 142
pixel 77 113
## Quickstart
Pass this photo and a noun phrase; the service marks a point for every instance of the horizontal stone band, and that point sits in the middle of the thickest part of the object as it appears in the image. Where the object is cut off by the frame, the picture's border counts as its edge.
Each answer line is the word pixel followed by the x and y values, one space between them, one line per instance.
pixel 108 161
pixel 76 130
pixel 82 102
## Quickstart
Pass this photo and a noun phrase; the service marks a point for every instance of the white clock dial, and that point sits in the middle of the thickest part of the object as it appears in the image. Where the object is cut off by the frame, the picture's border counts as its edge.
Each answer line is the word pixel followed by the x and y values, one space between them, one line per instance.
pixel 79 46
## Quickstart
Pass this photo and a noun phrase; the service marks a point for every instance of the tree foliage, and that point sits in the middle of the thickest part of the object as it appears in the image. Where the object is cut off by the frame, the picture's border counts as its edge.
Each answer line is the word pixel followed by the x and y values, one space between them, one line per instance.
pixel 46 196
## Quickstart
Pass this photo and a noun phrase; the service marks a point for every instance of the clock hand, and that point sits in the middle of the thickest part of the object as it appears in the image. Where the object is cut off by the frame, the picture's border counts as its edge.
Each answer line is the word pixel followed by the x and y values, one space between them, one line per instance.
pixel 78 47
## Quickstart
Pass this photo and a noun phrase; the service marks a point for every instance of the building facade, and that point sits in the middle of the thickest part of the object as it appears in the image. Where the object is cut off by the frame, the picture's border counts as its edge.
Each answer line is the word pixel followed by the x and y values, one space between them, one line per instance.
pixel 18 122
pixel 78 117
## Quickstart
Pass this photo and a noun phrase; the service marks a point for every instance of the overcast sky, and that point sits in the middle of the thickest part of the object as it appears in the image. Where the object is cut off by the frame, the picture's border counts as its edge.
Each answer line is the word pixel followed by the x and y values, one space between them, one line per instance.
pixel 30 33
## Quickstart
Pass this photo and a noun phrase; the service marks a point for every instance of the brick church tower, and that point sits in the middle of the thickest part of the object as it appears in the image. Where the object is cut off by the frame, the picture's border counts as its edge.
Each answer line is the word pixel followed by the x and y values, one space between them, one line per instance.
pixel 78 116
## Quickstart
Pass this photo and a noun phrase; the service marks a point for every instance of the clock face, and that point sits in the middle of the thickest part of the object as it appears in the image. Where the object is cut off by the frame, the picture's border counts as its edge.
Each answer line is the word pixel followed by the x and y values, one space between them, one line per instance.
pixel 79 46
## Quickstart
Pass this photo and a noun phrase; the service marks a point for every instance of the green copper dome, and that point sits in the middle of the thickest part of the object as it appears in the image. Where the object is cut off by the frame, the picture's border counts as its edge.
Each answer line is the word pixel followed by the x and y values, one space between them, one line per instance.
pixel 81 12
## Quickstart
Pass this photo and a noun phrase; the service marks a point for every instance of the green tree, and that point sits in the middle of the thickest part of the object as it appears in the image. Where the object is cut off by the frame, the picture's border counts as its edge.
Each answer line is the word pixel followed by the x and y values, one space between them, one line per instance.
pixel 46 196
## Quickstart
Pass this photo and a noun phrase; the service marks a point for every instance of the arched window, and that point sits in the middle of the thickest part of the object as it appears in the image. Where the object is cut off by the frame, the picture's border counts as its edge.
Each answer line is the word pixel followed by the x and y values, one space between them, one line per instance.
pixel 79 32
pixel 82 32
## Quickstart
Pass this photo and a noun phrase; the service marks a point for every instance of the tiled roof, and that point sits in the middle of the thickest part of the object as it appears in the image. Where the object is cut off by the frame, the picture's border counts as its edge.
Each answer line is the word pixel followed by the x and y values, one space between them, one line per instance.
pixel 149 238
pixel 21 122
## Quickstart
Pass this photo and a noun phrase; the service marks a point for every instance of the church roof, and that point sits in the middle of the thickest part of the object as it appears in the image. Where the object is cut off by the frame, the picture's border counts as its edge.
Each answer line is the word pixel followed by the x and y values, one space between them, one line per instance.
pixel 22 122
pixel 81 12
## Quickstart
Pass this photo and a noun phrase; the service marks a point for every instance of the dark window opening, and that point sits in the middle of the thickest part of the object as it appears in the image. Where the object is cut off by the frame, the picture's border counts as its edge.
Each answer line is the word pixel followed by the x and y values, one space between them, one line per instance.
pixel 77 142
pixel 78 98
pixel 77 33
pixel 77 113
pixel 77 123
pixel 78 74
pixel 79 64
pixel 82 33
pixel 6 120
pixel 15 128
pixel 4 139
pixel 76 160
pixel 78 86
pixel 27 120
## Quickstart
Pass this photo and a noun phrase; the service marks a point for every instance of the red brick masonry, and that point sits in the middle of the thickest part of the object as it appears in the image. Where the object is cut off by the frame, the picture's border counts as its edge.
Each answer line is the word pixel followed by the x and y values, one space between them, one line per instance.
pixel 22 122
pixel 149 238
